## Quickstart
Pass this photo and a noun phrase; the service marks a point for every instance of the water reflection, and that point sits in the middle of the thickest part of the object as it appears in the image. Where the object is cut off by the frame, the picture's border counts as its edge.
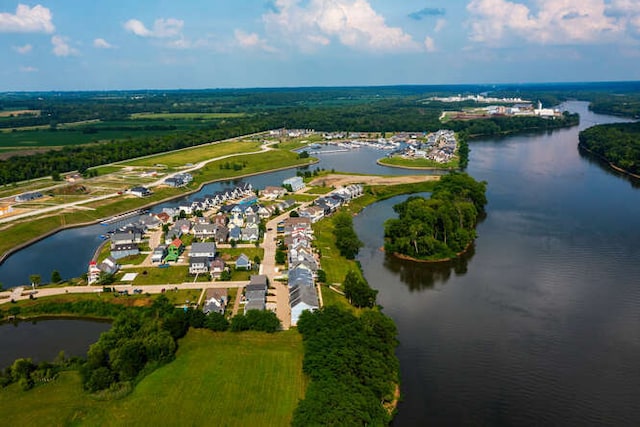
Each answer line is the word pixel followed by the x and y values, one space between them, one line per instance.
pixel 595 160
pixel 419 275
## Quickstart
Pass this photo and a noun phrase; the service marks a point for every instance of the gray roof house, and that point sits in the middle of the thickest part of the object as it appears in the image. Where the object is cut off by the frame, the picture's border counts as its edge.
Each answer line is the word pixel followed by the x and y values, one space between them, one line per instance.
pixel 205 250
pixel 159 253
pixel 302 298
pixel 198 265
pixel 122 251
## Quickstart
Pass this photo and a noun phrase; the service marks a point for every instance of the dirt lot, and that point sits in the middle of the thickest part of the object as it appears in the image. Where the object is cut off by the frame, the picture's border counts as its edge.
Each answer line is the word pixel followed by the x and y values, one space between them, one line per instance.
pixel 337 180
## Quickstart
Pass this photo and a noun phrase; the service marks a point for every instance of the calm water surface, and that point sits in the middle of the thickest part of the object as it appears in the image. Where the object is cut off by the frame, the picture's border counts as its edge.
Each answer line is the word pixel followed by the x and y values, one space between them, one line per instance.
pixel 43 340
pixel 540 323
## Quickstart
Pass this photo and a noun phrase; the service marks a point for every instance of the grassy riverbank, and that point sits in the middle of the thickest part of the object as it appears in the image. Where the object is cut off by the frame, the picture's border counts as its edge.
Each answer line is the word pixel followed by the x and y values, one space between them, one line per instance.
pixel 401 162
pixel 231 379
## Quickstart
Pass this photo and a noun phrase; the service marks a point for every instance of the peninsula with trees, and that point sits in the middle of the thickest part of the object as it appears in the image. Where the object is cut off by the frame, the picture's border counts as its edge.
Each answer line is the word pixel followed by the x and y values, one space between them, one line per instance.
pixel 441 227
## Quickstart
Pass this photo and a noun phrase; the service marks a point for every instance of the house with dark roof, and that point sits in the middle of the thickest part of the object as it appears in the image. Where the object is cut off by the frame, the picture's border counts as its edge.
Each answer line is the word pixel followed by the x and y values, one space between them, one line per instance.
pixel 204 231
pixel 222 234
pixel 216 267
pixel 159 253
pixel 124 250
pixel 198 265
pixel 140 191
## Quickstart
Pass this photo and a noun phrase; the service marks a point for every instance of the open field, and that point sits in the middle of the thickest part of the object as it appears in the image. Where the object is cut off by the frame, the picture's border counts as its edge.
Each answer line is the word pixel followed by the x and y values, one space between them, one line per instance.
pixel 185 116
pixel 418 163
pixel 340 180
pixel 16 113
pixel 195 154
pixel 218 379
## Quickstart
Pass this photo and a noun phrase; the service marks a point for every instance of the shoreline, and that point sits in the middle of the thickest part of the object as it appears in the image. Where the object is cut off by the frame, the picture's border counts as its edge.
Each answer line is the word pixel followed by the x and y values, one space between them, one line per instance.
pixel 30 242
pixel 433 261
pixel 609 163
pixel 45 317
pixel 424 168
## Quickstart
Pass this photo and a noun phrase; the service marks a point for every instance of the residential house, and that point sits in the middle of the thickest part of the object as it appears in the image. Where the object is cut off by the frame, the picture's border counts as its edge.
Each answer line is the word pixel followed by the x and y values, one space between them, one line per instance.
pixel 251 218
pixel 314 213
pixel 149 222
pixel 265 212
pixel 251 233
pixel 243 262
pixel 28 197
pixel 222 234
pixel 198 265
pixel 204 231
pixel 109 266
pixel 159 253
pixel 299 276
pixel 271 192
pixel 186 208
pixel 172 212
pixel 172 234
pixel 256 293
pixel 140 191
pixel 215 302
pixel 302 298
pixel 183 224
pixel 125 238
pixel 296 183
pixel 216 267
pixel 204 250
pixel 124 250
pixel 235 233
pixel 220 220
pixel 174 250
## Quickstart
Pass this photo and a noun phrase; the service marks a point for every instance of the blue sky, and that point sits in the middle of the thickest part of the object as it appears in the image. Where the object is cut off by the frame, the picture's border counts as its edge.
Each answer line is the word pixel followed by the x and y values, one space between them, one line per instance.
pixel 117 44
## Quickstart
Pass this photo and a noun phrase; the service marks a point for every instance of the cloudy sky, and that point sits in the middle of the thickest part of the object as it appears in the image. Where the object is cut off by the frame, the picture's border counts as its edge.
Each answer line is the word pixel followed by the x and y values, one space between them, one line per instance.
pixel 118 44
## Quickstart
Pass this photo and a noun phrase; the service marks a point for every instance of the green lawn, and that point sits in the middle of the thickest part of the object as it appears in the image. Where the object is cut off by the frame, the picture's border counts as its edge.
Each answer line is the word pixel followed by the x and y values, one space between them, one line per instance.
pixel 175 274
pixel 334 264
pixel 196 154
pixel 220 379
pixel 419 163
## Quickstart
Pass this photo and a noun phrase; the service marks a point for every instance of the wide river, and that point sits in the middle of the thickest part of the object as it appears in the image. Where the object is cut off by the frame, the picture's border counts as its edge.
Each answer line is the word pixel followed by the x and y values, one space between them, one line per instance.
pixel 538 325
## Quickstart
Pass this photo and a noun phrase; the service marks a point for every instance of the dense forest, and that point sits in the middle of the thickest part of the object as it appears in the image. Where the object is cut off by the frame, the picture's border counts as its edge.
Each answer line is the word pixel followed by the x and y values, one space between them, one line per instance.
pixel 439 227
pixel 618 144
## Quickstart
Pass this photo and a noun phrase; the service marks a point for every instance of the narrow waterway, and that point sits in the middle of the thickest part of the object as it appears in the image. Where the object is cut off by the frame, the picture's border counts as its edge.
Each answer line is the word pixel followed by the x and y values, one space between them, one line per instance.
pixel 538 324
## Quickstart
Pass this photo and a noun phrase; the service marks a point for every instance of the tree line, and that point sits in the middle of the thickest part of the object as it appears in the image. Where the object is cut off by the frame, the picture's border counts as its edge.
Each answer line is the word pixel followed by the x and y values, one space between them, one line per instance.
pixel 352 366
pixel 139 341
pixel 617 143
pixel 439 227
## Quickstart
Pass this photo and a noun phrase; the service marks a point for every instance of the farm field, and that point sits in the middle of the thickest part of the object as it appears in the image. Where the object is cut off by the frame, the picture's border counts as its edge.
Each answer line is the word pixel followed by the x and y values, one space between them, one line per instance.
pixel 195 154
pixel 225 379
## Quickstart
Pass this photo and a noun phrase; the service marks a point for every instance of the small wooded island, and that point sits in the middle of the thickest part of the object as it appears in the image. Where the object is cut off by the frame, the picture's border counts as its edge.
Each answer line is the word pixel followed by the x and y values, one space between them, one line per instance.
pixel 439 228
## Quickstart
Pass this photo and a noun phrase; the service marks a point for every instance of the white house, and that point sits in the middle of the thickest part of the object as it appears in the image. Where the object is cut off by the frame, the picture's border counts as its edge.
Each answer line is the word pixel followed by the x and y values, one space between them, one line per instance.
pixel 295 182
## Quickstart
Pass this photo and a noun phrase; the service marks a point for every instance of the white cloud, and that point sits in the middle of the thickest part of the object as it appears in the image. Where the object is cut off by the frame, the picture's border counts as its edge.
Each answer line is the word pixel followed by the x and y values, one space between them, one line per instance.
pixel 27 19
pixel 252 41
pixel 61 47
pixel 28 69
pixel 353 22
pixel 440 24
pixel 101 43
pixel 429 44
pixel 162 28
pixel 553 22
pixel 23 50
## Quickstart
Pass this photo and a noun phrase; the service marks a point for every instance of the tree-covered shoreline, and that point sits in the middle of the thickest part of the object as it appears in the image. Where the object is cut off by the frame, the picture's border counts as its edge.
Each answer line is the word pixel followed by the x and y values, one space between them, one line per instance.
pixel 617 143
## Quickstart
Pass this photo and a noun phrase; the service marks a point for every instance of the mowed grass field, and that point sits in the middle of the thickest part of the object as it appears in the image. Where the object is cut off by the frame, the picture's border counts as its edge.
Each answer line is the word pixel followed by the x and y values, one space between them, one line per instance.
pixel 196 154
pixel 217 379
pixel 419 163
pixel 185 116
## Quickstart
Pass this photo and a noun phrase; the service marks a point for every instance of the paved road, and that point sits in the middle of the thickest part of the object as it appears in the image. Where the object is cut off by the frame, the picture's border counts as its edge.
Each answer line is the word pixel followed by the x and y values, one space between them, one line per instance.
pixel 78 203
pixel 268 268
pixel 6 296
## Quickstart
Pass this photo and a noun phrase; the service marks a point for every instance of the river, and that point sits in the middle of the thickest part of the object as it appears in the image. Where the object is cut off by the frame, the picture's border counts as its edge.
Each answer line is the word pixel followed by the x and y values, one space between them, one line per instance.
pixel 539 323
